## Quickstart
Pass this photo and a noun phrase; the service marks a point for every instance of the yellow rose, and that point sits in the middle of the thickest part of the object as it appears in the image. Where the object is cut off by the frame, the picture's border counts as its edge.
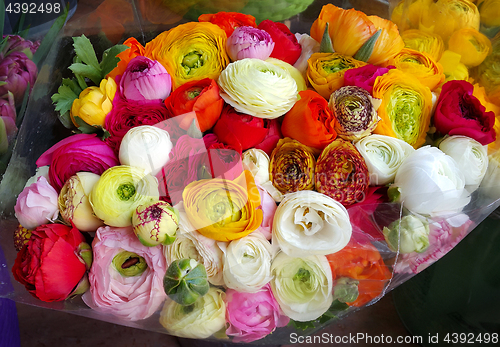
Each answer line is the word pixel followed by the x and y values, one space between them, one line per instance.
pixel 94 103
pixel 223 210
pixel 190 51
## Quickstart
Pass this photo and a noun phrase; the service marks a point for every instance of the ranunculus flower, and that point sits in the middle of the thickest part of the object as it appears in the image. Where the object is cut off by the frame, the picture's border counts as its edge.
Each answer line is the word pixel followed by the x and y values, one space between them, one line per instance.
pixel 383 156
pixel 144 80
pixel 422 41
pixel 388 44
pixel 310 121
pixel 326 71
pixel 452 67
pixel 470 156
pixel 408 234
pixel 16 71
pixel 50 265
pixel 252 316
pixel 272 137
pixel 94 103
pixel 249 42
pixel 196 101
pixel 421 65
pixel 258 88
pixel 126 115
pixel 292 166
pixel 37 204
pixel 223 210
pixel 190 244
pixel 126 277
pixel 364 76
pixel 311 223
pixel 80 152
pixel 430 182
pixel 286 46
pixel 257 162
pixel 309 46
pixel 268 207
pixel 302 285
pixel 155 223
pixel 341 173
pixel 458 112
pixel 403 94
pixel 241 130
pixel 190 51
pixel 185 281
pixel 355 112
pixel 247 263
pixel 296 74
pixel 119 191
pixel 147 147
pixel 135 49
pixel 74 202
pixel 15 43
pixel 204 318
pixel 228 21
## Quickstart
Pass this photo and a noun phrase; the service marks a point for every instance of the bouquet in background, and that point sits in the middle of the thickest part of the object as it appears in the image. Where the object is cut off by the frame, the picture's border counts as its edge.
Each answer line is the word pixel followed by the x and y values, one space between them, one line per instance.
pixel 229 178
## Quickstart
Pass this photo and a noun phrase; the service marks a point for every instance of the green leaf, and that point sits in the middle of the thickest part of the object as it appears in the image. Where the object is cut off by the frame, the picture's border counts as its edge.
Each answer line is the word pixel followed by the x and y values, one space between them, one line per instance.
pixel 73 85
pixel 64 98
pixel 86 71
pixel 49 38
pixel 85 51
pixel 24 104
pixel 365 52
pixel 2 16
pixel 109 59
pixel 84 127
pixel 19 25
pixel 301 325
pixel 65 119
pixel 81 82
pixel 326 45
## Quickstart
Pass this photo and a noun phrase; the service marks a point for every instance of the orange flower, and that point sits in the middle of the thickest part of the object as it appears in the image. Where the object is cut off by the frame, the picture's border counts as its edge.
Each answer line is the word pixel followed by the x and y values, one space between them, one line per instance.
pixel 228 21
pixel 310 121
pixel 389 42
pixel 135 50
pixel 348 29
pixel 362 262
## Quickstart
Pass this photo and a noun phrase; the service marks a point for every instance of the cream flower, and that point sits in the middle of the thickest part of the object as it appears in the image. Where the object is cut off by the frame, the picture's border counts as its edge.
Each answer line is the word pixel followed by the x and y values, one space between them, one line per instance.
pixel 257 162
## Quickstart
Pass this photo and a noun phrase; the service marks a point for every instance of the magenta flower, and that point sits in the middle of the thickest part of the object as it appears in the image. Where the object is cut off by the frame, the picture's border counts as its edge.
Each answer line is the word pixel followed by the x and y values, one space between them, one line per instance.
pixel 16 43
pixel 252 316
pixel 16 71
pixel 249 42
pixel 8 116
pixel 145 80
pixel 126 277
pixel 364 76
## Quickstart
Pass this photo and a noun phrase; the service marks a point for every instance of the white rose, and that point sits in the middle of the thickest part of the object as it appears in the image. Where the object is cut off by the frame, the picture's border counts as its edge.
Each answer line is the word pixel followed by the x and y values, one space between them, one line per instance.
pixel 302 286
pixel 471 157
pixel 307 222
pixel 247 263
pixel 147 147
pixel 383 156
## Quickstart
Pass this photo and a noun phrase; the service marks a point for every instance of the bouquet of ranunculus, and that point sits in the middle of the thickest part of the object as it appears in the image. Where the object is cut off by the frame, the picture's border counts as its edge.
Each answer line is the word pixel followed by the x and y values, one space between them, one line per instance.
pixel 232 177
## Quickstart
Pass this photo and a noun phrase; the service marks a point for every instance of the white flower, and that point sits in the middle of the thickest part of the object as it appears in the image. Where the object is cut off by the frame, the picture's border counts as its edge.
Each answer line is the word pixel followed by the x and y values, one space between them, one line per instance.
pixel 41 171
pixel 471 157
pixel 296 74
pixel 309 46
pixel 490 185
pixel 247 263
pixel 383 156
pixel 258 88
pixel 191 244
pixel 204 318
pixel 410 234
pixel 302 286
pixel 430 183
pixel 307 222
pixel 147 147
pixel 257 162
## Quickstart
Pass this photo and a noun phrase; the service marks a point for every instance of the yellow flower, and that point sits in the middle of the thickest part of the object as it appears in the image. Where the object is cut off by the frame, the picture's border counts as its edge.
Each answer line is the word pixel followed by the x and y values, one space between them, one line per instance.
pixel 407 15
pixel 406 107
pixel 452 67
pixel 490 12
pixel 190 51
pixel 326 71
pixel 94 103
pixel 223 210
pixel 421 65
pixel 421 41
pixel 473 46
pixel 488 72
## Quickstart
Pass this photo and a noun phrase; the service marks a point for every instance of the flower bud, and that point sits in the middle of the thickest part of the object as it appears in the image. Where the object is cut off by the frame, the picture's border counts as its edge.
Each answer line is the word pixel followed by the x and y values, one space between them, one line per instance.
pixel 155 223
pixel 409 235
pixel 185 281
pixel 346 289
pixel 16 71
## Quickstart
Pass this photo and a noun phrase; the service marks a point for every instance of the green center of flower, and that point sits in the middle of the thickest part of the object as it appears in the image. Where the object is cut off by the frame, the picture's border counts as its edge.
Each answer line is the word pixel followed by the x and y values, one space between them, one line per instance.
pixel 221 208
pixel 129 264
pixel 336 65
pixel 411 60
pixel 303 275
pixel 193 93
pixel 126 191
pixel 404 110
pixel 192 60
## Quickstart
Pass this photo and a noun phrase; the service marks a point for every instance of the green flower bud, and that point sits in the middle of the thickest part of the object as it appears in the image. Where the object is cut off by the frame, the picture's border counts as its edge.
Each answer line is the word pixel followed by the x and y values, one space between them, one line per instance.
pixel 155 223
pixel 129 264
pixel 85 253
pixel 185 281
pixel 409 235
pixel 346 289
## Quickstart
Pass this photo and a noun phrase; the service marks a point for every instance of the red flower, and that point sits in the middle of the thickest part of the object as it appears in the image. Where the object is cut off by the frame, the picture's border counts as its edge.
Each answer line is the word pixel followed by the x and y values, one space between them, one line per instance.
pixel 240 130
pixel 286 46
pixel 48 265
pixel 458 112
pixel 198 100
pixel 228 21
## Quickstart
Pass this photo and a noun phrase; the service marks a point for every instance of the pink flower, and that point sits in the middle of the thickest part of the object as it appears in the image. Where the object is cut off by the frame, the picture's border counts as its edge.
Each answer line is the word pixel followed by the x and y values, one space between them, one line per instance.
pixel 253 315
pixel 130 295
pixel 81 152
pixel 268 207
pixel 145 79
pixel 364 76
pixel 37 204
pixel 249 42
